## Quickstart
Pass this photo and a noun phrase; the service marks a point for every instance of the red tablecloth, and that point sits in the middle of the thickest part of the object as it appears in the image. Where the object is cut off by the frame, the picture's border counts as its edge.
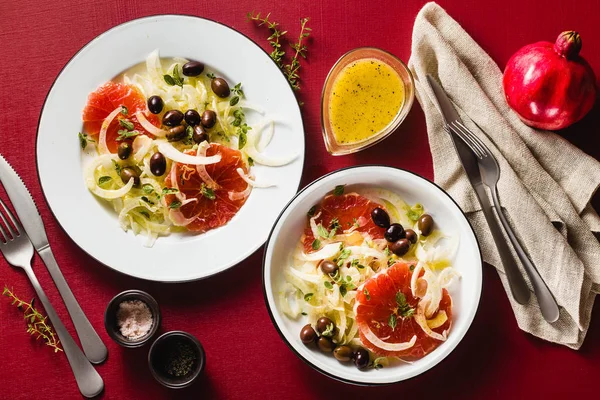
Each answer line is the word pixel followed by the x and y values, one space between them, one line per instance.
pixel 246 357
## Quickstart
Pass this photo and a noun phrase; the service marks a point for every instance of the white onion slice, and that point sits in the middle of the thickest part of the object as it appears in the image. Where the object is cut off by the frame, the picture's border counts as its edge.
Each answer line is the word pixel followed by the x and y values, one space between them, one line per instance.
pixel 179 219
pixel 414 277
pixel 266 137
pixel 233 196
pixel 102 148
pixel 201 152
pixel 267 160
pixel 313 225
pixel 110 194
pixel 173 154
pixel 434 293
pixel 447 276
pixel 422 321
pixel 148 126
pixel 174 184
pixel 387 346
pixel 365 251
pixel 252 182
pixel 141 145
pixel 327 251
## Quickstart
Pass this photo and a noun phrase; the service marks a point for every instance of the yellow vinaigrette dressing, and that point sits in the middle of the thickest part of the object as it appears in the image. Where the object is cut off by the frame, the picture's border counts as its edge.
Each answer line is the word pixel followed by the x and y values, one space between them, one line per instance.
pixel 366 96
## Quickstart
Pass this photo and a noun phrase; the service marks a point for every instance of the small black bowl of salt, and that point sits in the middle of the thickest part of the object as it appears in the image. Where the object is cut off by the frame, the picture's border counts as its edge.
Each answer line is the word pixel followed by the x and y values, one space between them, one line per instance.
pixel 132 318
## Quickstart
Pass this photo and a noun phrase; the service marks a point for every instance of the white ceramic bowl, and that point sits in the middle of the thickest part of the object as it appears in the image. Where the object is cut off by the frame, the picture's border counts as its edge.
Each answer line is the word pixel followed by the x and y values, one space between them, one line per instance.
pixel 412 188
pixel 91 223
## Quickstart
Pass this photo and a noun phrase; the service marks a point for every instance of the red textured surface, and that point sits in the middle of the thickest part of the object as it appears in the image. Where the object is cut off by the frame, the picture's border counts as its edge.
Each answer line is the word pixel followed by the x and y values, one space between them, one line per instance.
pixel 246 357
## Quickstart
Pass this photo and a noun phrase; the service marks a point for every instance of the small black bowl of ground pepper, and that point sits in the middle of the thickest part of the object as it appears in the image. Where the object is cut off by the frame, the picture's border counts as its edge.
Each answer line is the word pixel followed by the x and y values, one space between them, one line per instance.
pixel 176 359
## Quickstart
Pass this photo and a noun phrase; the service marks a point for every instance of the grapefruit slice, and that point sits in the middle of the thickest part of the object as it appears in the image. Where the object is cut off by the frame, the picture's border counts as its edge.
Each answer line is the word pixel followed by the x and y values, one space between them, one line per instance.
pixel 104 100
pixel 388 294
pixel 348 209
pixel 208 213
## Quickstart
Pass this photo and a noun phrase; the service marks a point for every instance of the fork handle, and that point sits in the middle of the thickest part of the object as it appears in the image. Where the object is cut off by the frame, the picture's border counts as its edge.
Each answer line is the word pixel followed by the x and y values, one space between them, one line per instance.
pixel 91 343
pixel 88 380
pixel 546 301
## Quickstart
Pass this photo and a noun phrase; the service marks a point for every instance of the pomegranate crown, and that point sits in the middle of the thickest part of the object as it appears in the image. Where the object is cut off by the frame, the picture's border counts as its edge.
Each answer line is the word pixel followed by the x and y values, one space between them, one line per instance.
pixel 568 44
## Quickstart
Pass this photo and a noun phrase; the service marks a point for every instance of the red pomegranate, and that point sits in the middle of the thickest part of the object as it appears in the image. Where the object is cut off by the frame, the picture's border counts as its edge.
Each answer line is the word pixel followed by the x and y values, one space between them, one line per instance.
pixel 549 85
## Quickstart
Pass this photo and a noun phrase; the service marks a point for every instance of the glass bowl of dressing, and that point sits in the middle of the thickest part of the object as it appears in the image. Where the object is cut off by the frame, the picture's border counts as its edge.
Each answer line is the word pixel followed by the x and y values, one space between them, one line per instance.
pixel 366 96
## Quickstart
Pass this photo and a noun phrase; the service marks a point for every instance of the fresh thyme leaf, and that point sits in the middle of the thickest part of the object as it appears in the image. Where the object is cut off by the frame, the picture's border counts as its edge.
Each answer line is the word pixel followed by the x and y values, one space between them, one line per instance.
pixel 355 223
pixel 175 205
pixel 328 285
pixel 316 244
pixel 334 224
pixel 387 252
pixel 392 322
pixel 125 134
pixel 391 261
pixel 303 313
pixel 145 213
pixel 343 290
pixel 308 296
pixel 237 89
pixel 147 200
pixel 169 80
pixel 127 124
pixel 169 190
pixel 412 267
pixel 211 75
pixel 339 190
pixel 103 180
pixel 404 309
pixel 311 211
pixel 251 161
pixel 322 232
pixel 354 262
pixel 148 188
pixel 208 192
pixel 124 110
pixel 118 167
pixel 348 278
pixel 360 266
pixel 234 100
pixel 367 294
pixel 329 331
pixel 84 140
pixel 242 140
pixel 343 255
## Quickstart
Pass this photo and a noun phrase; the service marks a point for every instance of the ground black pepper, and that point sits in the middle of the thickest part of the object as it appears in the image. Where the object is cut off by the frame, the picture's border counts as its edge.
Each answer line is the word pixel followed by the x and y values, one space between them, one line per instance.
pixel 180 359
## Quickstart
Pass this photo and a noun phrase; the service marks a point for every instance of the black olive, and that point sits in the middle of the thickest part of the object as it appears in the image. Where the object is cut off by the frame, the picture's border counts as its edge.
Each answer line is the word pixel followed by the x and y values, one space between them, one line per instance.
pixel 124 150
pixel 308 334
pixel 361 358
pixel 394 232
pixel 324 324
pixel 192 117
pixel 220 87
pixel 155 104
pixel 411 235
pixel 127 173
pixel 172 118
pixel 400 247
pixel 325 344
pixel 176 134
pixel 199 134
pixel 380 217
pixel 328 267
pixel 425 224
pixel 192 68
pixel 158 164
pixel 343 353
pixel 209 119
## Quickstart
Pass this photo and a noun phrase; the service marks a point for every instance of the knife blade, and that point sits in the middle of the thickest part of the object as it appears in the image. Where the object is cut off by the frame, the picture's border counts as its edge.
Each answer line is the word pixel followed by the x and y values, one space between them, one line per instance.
pixel 516 282
pixel 30 218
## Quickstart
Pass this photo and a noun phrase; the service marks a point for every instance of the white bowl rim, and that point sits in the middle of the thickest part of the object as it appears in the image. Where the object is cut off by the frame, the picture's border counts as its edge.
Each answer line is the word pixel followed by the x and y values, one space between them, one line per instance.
pixel 89 43
pixel 268 305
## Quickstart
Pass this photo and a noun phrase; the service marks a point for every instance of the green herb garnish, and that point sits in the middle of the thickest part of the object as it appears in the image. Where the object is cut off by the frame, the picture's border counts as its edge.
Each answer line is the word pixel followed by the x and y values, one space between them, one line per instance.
pixel 308 296
pixel 208 192
pixel 125 134
pixel 339 190
pixel 242 140
pixel 118 167
pixel 84 140
pixel 414 213
pixel 147 188
pixel 175 79
pixel 367 295
pixel 147 200
pixel 237 89
pixel 145 214
pixel 169 190
pixel 311 211
pixel 124 110
pixel 322 231
pixel 104 179
pixel 234 100
pixel 251 161
pixel 328 332
pixel 175 205
pixel 404 309
pixel 316 244
pixel 343 255
pixel 127 124
pixel 392 321
pixel 328 285
pixel 210 75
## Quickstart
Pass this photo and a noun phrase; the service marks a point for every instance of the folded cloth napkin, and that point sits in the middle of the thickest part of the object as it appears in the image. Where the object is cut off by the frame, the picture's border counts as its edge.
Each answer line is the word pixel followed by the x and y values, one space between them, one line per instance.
pixel 545 184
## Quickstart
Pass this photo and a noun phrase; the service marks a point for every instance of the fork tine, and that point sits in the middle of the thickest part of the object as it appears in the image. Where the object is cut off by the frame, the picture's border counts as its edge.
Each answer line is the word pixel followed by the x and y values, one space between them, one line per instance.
pixel 3 234
pixel 466 139
pixel 484 149
pixel 12 231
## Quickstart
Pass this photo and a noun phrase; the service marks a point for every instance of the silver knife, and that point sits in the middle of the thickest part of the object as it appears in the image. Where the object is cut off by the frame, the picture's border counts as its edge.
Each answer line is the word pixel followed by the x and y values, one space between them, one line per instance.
pixel 19 195
pixel 516 282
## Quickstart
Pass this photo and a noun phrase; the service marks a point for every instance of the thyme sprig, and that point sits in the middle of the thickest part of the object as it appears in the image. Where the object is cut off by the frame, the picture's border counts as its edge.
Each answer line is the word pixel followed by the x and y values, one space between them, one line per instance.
pixel 278 54
pixel 37 324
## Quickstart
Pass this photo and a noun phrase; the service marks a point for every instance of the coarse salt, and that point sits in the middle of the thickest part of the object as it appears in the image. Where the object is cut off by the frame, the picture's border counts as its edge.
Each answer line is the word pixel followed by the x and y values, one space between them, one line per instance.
pixel 134 319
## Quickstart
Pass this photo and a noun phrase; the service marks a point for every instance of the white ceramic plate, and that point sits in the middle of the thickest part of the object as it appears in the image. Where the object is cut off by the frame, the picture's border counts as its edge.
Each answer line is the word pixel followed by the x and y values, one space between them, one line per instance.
pixel 93 225
pixel 412 188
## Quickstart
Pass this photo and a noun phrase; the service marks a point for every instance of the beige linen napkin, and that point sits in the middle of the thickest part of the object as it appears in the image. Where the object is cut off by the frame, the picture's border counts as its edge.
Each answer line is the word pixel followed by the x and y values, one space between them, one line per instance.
pixel 545 185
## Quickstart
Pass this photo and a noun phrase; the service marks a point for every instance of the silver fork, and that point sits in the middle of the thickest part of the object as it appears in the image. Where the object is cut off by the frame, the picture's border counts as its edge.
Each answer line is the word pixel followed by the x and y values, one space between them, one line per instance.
pixel 18 251
pixel 490 175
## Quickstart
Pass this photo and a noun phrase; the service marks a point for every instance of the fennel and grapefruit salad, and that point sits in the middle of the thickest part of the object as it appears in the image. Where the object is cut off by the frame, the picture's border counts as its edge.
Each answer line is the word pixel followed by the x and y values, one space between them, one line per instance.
pixel 173 148
pixel 370 275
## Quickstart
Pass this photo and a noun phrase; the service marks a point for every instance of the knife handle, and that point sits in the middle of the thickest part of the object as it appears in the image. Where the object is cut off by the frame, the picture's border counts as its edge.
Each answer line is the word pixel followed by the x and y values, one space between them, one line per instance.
pixel 92 345
pixel 516 282
pixel 89 382
pixel 546 301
